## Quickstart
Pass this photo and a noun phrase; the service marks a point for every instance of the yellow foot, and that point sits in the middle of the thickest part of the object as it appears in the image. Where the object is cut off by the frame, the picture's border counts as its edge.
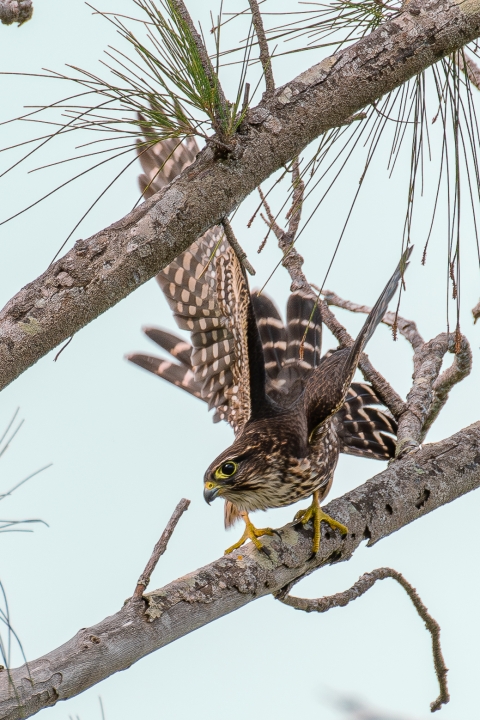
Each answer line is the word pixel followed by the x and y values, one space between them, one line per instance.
pixel 316 512
pixel 251 533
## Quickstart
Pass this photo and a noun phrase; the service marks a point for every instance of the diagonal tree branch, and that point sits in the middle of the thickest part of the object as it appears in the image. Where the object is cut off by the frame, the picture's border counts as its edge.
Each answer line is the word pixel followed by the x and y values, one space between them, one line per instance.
pixel 404 492
pixel 99 272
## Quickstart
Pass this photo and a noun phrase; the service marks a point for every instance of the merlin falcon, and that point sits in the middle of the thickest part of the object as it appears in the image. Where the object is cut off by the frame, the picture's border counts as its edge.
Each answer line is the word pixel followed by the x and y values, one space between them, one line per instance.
pixel 292 413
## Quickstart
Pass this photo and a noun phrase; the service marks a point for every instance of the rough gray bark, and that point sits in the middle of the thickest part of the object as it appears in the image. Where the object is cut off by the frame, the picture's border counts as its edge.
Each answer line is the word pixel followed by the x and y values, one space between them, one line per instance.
pixel 408 489
pixel 99 272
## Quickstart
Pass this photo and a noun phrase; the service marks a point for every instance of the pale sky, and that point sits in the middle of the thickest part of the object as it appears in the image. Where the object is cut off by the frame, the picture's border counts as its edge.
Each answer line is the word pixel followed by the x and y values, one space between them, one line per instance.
pixel 126 446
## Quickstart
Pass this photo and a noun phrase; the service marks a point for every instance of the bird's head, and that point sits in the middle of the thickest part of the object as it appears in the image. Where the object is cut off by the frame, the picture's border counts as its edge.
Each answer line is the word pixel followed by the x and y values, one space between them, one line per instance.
pixel 243 472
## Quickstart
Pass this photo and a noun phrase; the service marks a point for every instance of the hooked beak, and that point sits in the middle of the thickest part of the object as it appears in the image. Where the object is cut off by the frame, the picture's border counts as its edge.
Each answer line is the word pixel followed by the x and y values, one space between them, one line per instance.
pixel 210 492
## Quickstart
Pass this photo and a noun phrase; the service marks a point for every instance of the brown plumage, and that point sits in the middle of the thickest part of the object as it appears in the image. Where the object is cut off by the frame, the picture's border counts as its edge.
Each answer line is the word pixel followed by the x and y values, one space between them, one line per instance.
pixel 292 417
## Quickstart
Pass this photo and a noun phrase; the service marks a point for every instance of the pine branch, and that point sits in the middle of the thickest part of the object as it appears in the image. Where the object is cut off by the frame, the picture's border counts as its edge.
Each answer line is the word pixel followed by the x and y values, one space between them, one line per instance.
pixel 102 270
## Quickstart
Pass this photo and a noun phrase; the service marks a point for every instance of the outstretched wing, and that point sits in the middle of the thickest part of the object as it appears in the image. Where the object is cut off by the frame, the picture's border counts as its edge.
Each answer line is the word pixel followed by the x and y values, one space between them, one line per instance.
pixel 209 298
pixel 327 387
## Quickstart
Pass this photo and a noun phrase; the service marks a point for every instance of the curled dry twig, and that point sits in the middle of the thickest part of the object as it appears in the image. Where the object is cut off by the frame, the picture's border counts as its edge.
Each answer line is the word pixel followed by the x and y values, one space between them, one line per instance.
pixel 363 584
pixel 160 547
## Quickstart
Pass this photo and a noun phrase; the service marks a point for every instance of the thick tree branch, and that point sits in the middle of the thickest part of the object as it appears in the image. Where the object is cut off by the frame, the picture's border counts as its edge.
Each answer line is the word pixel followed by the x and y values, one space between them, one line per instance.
pixel 408 489
pixel 99 272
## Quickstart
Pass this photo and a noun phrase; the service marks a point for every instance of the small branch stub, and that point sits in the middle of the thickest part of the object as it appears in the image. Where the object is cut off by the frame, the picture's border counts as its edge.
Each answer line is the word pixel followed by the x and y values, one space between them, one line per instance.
pixel 265 58
pixel 363 584
pixel 160 548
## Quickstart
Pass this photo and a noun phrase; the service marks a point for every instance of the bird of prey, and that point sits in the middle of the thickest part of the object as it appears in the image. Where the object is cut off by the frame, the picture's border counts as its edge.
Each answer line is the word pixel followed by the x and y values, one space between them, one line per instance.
pixel 291 416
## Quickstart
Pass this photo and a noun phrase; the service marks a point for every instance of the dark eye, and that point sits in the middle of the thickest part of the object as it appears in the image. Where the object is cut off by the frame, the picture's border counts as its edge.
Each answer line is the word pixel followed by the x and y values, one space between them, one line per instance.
pixel 226 470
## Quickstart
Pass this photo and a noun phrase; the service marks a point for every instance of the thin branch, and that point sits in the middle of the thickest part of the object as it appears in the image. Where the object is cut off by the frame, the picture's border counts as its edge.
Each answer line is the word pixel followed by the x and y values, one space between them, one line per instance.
pixel 407 328
pixel 363 584
pixel 15 11
pixel 292 260
pixel 235 245
pixel 160 547
pixel 265 58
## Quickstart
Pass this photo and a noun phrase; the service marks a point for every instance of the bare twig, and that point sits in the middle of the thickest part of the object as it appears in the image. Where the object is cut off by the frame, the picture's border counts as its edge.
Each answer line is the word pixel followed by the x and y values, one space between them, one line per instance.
pixel 364 583
pixel 292 260
pixel 63 348
pixel 263 45
pixel 407 328
pixel 160 548
pixel 235 245
pixel 15 11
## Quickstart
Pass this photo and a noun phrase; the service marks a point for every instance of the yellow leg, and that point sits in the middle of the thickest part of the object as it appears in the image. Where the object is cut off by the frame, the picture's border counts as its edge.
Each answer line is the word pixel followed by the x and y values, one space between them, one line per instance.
pixel 316 512
pixel 251 533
